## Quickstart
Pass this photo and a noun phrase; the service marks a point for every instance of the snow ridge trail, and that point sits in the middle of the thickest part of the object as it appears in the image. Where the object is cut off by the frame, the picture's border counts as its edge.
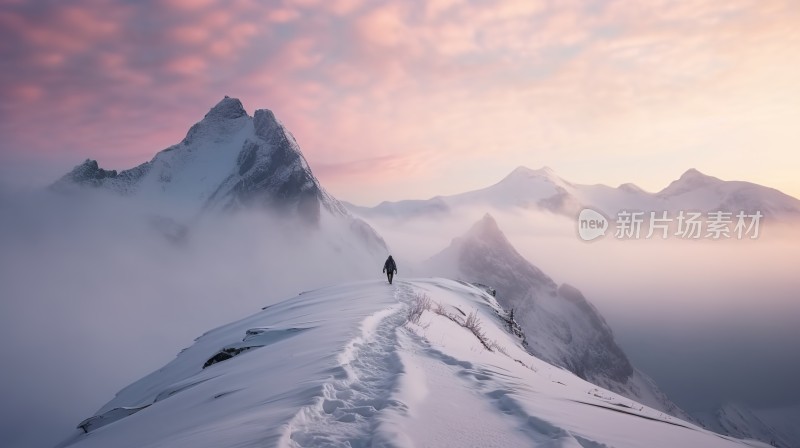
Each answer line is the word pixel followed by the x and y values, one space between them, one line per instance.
pixel 346 415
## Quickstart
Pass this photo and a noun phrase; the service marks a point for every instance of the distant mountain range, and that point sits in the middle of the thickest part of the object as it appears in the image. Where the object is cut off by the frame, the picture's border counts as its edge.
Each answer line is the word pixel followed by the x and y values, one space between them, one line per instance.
pixel 543 190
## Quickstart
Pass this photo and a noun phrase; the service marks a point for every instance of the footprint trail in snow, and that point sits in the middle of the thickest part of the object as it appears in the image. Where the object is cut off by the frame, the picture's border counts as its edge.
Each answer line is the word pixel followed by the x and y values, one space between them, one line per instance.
pixel 361 387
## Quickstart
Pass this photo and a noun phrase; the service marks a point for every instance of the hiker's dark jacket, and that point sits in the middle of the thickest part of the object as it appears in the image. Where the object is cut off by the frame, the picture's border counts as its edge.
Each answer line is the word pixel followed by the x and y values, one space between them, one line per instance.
pixel 389 266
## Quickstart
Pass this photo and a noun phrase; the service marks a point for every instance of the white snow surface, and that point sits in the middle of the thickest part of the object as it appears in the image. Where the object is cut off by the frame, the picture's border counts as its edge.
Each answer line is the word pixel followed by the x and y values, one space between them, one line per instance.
pixel 342 367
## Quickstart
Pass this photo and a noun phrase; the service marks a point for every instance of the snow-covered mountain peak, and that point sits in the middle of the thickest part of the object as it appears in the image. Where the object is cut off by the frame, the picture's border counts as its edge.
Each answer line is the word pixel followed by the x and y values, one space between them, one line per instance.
pixel 227 109
pixel 228 161
pixel 630 187
pixel 693 173
pixel 525 188
pixel 692 179
pixel 522 173
pixel 89 173
pixel 265 123
pixel 487 230
pixel 226 118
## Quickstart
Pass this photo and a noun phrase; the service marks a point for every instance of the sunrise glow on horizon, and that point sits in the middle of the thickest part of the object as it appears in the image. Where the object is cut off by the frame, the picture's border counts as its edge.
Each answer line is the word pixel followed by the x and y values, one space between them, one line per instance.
pixel 399 100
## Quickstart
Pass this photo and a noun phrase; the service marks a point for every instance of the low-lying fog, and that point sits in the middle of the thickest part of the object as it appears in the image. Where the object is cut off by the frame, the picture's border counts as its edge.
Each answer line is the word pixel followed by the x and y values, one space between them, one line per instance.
pixel 96 293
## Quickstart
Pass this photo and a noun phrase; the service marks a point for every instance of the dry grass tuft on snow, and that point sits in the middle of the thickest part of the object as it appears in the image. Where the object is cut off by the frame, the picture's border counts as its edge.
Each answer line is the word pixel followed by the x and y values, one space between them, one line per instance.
pixel 473 324
pixel 419 305
pixel 423 302
pixel 442 311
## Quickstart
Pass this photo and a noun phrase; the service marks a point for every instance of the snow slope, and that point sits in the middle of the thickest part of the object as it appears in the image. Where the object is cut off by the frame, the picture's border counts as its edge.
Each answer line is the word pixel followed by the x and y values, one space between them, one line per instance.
pixel 341 366
pixel 543 189
pixel 563 327
pixel 738 421
pixel 784 419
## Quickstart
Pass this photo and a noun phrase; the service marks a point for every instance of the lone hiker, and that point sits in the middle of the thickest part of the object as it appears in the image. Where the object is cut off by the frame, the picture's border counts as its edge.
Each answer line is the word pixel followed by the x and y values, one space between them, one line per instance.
pixel 390 268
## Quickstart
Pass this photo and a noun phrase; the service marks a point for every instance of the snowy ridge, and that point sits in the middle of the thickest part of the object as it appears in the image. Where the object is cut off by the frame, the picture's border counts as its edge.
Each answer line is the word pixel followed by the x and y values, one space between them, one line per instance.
pixel 369 366
pixel 360 375
pixel 562 327
pixel 739 421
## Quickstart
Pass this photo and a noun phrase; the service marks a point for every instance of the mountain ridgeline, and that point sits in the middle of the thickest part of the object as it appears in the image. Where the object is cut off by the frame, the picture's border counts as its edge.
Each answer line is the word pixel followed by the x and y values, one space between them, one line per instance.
pixel 543 190
pixel 561 326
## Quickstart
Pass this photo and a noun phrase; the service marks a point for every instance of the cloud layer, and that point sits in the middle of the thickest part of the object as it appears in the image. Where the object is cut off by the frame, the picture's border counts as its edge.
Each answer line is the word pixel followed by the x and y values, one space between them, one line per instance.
pixel 451 93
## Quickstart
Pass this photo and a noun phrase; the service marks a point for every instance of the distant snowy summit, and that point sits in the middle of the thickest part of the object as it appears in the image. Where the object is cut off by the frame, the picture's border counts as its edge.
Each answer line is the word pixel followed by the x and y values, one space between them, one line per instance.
pixel 544 190
pixel 227 160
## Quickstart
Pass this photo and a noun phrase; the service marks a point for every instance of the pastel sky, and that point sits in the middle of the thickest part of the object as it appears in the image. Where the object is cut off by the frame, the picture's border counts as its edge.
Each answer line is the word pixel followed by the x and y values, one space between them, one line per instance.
pixel 409 99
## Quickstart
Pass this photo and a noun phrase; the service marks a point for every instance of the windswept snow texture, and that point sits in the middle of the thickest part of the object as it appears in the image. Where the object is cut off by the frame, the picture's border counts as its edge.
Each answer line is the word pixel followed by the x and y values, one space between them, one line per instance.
pixel 360 375
pixel 562 327
pixel 543 189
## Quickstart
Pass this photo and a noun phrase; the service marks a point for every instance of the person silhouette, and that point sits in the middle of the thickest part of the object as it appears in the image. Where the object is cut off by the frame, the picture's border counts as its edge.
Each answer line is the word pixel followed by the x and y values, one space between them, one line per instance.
pixel 390 268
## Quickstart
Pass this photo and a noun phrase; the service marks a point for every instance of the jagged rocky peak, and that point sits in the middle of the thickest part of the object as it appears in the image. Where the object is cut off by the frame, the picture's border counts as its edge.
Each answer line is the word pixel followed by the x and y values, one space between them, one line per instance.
pixel 272 131
pixel 227 109
pixel 265 123
pixel 87 173
pixel 228 159
pixel 225 118
pixel 486 254
pixel 561 326
pixel 486 229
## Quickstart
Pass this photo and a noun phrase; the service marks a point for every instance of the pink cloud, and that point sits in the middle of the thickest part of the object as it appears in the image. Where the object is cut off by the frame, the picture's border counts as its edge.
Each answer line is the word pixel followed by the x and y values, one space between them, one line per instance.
pixel 188 5
pixel 187 65
pixel 411 88
pixel 282 15
pixel 385 26
pixel 191 34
